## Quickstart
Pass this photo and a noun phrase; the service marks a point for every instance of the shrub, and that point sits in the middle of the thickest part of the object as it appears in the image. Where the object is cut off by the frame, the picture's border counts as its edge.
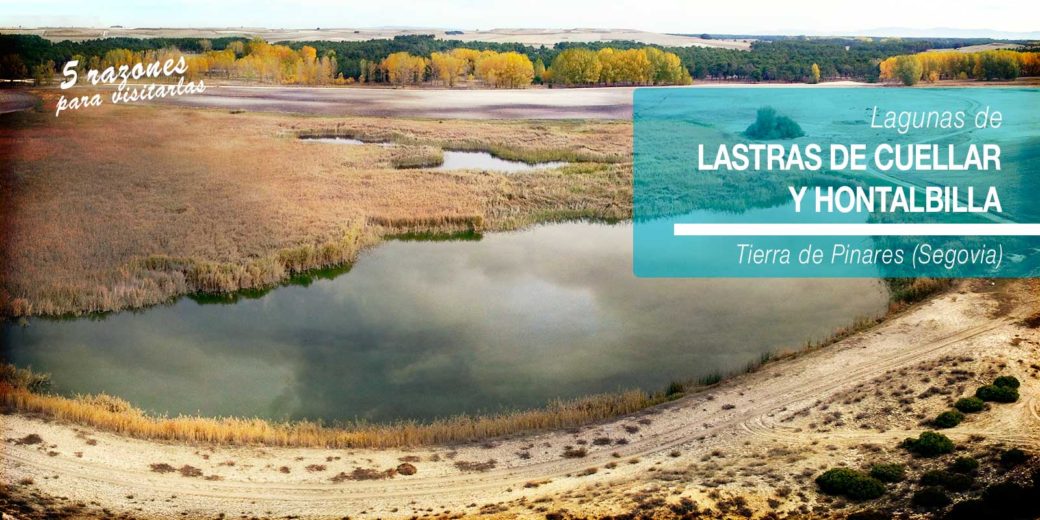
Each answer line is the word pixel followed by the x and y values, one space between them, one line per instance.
pixel 935 477
pixel 999 394
pixel 850 483
pixel 972 509
pixel 964 465
pixel 888 472
pixel 958 482
pixel 970 405
pixel 1007 382
pixel 950 481
pixel 769 125
pixel 674 388
pixel 930 498
pixel 929 444
pixel 1013 457
pixel 570 452
pixel 948 419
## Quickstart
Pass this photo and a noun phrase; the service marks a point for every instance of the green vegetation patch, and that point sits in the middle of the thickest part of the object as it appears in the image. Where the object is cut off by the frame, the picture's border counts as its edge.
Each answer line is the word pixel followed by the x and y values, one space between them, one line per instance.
pixel 888 472
pixel 1007 382
pixel 849 483
pixel 970 405
pixel 928 444
pixel 931 498
pixel 964 465
pixel 948 419
pixel 997 394
pixel 770 125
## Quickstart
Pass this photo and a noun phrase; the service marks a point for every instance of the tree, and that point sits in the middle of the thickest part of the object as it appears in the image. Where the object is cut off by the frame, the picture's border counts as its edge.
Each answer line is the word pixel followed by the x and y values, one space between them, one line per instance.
pixel 908 70
pixel 43 74
pixel 576 66
pixel 401 68
pixel 12 67
pixel 507 69
pixel 667 67
pixel 539 71
pixel 447 67
pixel 814 74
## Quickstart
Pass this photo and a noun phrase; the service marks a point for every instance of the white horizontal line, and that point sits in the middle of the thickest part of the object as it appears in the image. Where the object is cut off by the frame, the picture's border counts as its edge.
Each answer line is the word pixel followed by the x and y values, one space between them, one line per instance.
pixel 868 230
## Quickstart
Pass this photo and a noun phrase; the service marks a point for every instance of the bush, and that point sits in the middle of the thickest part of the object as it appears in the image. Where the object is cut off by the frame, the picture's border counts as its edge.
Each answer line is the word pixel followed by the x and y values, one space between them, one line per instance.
pixel 769 125
pixel 999 394
pixel 931 498
pixel 964 465
pixel 1007 382
pixel 970 405
pixel 999 501
pixel 935 477
pixel 674 388
pixel 928 444
pixel 948 419
pixel 850 483
pixel 950 481
pixel 888 472
pixel 1013 457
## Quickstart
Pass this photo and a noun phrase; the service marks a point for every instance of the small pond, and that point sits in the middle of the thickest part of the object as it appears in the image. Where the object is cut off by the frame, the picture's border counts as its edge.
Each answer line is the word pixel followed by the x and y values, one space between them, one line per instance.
pixel 457 160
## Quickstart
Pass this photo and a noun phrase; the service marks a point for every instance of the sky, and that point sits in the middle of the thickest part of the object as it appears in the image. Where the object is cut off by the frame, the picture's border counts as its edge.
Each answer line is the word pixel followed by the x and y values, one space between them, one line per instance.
pixel 669 16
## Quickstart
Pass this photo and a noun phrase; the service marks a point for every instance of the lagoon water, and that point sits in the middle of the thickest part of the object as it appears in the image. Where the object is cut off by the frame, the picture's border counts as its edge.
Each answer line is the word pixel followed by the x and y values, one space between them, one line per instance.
pixel 422 329
pixel 457 160
pixel 486 161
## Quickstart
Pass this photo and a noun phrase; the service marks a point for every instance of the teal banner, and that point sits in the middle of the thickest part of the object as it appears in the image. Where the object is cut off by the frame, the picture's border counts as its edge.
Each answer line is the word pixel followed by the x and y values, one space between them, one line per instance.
pixel 836 182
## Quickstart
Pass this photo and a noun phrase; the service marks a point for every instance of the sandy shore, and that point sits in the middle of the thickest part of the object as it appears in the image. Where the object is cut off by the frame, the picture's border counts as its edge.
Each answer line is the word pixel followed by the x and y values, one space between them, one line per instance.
pixel 761 437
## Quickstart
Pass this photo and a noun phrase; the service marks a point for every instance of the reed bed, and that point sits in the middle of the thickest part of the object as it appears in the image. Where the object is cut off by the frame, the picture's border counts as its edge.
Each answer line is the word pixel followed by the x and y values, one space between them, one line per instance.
pixel 118 416
pixel 163 201
pixel 416 156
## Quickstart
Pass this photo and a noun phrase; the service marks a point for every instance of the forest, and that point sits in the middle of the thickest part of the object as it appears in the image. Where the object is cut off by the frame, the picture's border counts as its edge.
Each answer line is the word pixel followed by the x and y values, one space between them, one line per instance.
pixel 985 65
pixel 781 59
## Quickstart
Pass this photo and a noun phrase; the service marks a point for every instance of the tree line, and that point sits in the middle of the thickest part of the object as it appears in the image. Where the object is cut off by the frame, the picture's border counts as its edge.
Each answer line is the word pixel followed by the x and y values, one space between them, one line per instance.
pixel 511 69
pixel 785 59
pixel 936 65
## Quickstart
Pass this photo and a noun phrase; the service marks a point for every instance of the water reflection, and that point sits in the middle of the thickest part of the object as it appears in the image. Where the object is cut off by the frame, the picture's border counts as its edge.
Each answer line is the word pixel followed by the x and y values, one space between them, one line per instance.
pixel 457 160
pixel 422 329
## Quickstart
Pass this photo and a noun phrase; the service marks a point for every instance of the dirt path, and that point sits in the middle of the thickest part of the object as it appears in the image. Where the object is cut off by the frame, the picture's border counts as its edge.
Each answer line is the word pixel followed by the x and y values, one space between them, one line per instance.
pixel 760 409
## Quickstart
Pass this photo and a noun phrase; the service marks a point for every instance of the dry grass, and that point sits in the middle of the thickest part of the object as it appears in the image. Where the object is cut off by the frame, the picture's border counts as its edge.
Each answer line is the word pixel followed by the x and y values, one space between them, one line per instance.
pixel 421 156
pixel 121 207
pixel 119 416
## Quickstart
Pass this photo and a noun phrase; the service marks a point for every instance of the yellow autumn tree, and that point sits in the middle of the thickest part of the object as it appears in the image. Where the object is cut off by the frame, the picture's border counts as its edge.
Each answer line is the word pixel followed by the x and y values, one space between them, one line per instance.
pixel 448 68
pixel 470 55
pixel 506 69
pixel 401 68
pixel 576 66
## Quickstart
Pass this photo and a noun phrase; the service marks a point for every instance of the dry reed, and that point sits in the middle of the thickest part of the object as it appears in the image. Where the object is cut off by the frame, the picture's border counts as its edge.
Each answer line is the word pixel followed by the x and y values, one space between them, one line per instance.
pixel 163 201
pixel 119 416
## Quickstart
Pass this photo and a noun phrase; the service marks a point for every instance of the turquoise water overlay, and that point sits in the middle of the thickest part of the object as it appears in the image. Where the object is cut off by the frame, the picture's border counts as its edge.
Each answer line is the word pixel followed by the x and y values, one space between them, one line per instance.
pixel 674 184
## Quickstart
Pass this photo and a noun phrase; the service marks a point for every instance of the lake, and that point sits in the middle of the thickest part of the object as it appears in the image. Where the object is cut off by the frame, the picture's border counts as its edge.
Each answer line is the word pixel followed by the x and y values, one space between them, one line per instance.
pixel 424 329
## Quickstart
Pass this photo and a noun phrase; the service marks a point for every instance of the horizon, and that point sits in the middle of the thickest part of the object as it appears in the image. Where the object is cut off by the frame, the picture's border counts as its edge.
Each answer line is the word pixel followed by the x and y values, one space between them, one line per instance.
pixel 747 17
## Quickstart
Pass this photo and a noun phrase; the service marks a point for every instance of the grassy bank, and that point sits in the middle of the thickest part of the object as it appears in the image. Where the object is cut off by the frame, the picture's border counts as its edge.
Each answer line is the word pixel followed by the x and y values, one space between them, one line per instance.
pixel 161 201
pixel 22 391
